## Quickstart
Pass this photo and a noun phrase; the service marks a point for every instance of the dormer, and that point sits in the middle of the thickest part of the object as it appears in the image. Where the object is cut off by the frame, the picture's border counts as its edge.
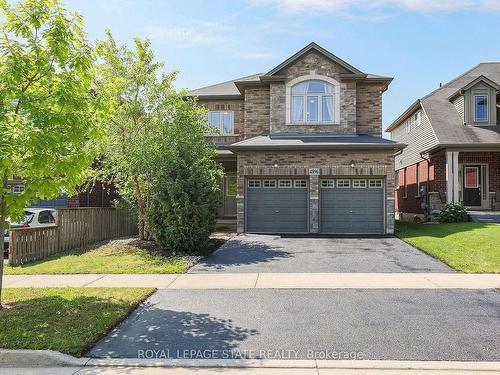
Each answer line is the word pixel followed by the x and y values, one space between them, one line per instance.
pixel 478 103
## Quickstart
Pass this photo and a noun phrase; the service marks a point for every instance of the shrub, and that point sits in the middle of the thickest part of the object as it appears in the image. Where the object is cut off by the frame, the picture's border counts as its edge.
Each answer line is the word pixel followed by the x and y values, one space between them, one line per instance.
pixel 453 213
pixel 185 193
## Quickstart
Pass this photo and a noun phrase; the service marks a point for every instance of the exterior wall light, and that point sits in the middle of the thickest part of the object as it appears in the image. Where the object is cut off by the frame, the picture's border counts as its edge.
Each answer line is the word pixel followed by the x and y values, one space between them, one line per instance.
pixel 275 164
pixel 352 163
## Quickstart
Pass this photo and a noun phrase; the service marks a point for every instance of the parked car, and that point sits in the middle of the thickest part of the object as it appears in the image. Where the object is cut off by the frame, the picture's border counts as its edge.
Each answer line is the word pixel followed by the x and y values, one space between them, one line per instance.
pixel 33 218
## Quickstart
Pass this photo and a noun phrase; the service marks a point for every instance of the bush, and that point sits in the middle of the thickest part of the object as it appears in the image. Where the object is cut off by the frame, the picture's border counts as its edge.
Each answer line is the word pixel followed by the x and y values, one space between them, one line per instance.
pixel 453 213
pixel 185 194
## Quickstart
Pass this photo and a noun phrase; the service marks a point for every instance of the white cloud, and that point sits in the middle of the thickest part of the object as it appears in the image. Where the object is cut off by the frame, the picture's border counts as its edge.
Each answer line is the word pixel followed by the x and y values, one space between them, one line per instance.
pixel 376 6
pixel 186 37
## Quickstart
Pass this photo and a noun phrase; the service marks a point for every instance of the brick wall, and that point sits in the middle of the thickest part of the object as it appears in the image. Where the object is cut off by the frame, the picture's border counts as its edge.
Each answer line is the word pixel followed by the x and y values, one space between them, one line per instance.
pixel 100 195
pixel 257 107
pixel 411 202
pixel 493 160
pixel 369 108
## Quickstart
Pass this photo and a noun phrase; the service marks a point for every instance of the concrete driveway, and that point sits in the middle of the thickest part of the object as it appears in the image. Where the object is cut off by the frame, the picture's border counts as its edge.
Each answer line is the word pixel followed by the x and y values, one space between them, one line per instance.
pixel 288 324
pixel 264 253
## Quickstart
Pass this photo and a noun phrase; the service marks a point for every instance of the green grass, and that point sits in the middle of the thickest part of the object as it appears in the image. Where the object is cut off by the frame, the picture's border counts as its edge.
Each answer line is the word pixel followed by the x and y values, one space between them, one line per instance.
pixel 467 247
pixel 69 320
pixel 115 257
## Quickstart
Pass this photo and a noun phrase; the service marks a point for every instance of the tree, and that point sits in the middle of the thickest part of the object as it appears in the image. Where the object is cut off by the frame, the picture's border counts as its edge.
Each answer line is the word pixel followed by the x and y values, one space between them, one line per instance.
pixel 137 95
pixel 185 193
pixel 48 113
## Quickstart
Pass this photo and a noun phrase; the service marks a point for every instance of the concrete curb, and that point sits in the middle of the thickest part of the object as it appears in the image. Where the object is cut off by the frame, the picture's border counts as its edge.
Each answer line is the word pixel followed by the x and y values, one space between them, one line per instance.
pixel 50 358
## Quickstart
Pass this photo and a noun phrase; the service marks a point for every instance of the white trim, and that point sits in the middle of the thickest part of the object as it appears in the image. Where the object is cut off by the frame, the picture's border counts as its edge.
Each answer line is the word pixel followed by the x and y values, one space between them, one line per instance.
pixel 300 183
pixel 255 183
pixel 272 184
pixel 328 183
pixel 477 169
pixel 361 184
pixel 341 182
pixel 220 128
pixel 313 77
pixel 375 184
pixel 289 184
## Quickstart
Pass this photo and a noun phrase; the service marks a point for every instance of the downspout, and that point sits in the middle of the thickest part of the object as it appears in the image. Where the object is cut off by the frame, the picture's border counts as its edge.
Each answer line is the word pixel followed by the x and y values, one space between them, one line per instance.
pixel 427 211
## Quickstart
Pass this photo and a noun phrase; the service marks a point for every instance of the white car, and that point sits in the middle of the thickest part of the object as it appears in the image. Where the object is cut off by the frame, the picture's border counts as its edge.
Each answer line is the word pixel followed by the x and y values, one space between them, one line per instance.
pixel 33 218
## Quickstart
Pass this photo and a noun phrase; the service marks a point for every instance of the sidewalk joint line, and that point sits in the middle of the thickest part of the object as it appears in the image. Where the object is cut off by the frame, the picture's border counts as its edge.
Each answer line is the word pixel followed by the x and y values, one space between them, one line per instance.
pixel 177 275
pixel 256 280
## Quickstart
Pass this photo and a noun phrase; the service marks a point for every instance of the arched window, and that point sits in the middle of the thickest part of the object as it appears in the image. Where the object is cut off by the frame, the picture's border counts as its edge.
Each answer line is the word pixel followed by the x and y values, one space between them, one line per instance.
pixel 312 101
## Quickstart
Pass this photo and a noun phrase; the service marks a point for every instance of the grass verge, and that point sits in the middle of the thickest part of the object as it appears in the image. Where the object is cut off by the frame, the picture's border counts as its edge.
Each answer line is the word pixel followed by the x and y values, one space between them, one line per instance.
pixel 467 247
pixel 69 320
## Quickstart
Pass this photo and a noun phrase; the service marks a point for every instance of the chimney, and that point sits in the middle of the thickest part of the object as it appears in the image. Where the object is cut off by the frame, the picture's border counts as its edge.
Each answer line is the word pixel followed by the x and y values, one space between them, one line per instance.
pixel 440 84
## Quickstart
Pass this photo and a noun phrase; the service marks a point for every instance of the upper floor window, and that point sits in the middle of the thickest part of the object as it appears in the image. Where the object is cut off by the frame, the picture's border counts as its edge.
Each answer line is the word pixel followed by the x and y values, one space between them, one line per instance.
pixel 417 118
pixel 17 189
pixel 480 108
pixel 223 121
pixel 312 101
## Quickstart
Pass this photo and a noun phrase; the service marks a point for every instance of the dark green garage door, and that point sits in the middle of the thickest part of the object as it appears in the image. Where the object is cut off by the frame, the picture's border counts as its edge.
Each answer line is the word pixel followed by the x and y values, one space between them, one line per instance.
pixel 352 206
pixel 276 206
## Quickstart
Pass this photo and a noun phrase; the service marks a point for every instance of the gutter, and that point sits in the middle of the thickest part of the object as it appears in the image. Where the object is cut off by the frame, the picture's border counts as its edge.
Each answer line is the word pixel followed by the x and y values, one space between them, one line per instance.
pixel 338 146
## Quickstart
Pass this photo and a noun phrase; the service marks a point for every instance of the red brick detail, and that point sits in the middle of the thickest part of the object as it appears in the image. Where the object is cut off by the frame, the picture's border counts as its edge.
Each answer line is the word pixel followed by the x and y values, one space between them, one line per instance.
pixel 493 160
pixel 412 202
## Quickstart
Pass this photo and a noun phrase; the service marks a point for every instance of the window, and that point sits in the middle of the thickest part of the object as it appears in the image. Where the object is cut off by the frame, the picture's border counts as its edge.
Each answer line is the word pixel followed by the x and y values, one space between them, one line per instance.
pixel 312 101
pixel 222 121
pixel 480 108
pixel 408 125
pixel 375 184
pixel 343 183
pixel 269 183
pixel 328 183
pixel 300 183
pixel 254 183
pixel 231 186
pixel 417 118
pixel 285 183
pixel 45 217
pixel 471 177
pixel 17 189
pixel 358 184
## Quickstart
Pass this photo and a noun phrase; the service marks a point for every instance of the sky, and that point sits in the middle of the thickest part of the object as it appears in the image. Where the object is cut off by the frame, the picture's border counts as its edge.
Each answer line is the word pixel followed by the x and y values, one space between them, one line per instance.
pixel 418 42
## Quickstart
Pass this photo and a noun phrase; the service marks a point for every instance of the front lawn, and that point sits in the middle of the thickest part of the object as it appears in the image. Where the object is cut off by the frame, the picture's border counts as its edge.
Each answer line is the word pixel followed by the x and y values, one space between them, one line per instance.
pixel 119 256
pixel 69 320
pixel 467 247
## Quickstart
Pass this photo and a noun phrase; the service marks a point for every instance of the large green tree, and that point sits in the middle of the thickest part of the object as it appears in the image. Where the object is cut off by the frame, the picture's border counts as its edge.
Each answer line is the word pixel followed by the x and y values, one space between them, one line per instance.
pixel 154 134
pixel 48 111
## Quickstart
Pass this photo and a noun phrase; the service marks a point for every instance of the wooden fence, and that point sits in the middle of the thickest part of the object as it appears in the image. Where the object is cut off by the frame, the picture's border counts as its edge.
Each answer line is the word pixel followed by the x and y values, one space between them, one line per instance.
pixel 76 227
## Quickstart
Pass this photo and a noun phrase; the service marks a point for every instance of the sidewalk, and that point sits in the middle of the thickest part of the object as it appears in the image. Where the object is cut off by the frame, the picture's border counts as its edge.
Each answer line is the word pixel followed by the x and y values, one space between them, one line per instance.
pixel 263 281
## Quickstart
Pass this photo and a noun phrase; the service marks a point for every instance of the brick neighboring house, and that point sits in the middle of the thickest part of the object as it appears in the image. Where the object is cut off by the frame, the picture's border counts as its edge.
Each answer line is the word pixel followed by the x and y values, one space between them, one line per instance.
pixel 302 147
pixel 453 153
pixel 99 195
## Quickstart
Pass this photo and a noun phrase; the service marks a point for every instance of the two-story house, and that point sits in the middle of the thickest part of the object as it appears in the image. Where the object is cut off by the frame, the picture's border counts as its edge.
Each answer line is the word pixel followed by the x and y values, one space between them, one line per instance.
pixel 302 147
pixel 453 153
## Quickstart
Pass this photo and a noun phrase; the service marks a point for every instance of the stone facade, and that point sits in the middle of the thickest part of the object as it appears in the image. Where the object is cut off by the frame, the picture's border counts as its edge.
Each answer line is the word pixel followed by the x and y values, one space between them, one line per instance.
pixel 314 63
pixel 257 108
pixel 331 164
pixel 369 108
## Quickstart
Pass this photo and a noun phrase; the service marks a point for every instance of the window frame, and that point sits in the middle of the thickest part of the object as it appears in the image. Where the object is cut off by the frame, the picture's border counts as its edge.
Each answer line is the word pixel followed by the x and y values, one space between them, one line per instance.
pixel 15 188
pixel 257 184
pixel 339 183
pixel 235 186
pixel 335 101
pixel 220 127
pixel 405 185
pixel 357 180
pixel 487 110
pixel 328 183
pixel 417 179
pixel 417 118
pixel 285 187
pixel 298 183
pixel 466 185
pixel 270 182
pixel 376 182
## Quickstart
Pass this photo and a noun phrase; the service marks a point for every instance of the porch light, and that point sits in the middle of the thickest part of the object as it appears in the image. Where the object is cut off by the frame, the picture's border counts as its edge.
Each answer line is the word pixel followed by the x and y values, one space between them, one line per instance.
pixel 275 164
pixel 352 163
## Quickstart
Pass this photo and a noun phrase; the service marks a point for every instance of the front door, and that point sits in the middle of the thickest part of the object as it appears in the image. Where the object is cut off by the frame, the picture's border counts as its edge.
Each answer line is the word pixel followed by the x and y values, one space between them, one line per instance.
pixel 472 185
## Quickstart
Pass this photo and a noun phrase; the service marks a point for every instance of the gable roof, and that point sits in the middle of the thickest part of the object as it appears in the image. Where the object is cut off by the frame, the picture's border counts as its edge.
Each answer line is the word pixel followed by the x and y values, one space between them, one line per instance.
pixel 233 89
pixel 310 47
pixel 445 119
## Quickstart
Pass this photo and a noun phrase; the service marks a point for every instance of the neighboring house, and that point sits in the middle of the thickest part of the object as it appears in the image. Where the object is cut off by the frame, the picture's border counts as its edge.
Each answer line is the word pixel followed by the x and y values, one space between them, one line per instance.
pixel 302 147
pixel 99 195
pixel 453 153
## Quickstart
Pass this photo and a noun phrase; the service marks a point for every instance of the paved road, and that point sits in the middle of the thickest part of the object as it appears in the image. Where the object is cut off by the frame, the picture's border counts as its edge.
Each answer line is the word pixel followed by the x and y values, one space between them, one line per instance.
pixel 380 324
pixel 262 253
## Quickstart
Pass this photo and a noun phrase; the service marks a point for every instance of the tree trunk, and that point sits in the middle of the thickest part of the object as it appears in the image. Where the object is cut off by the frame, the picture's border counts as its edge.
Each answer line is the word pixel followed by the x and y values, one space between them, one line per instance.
pixel 3 210
pixel 141 210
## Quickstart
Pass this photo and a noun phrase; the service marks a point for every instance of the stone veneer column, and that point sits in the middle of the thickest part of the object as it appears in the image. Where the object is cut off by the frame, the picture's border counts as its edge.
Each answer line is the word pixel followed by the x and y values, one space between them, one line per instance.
pixel 314 204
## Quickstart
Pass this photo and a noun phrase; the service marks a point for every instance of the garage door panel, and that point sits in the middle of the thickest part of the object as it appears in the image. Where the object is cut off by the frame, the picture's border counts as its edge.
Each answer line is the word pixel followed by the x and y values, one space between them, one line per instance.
pixel 352 210
pixel 276 210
